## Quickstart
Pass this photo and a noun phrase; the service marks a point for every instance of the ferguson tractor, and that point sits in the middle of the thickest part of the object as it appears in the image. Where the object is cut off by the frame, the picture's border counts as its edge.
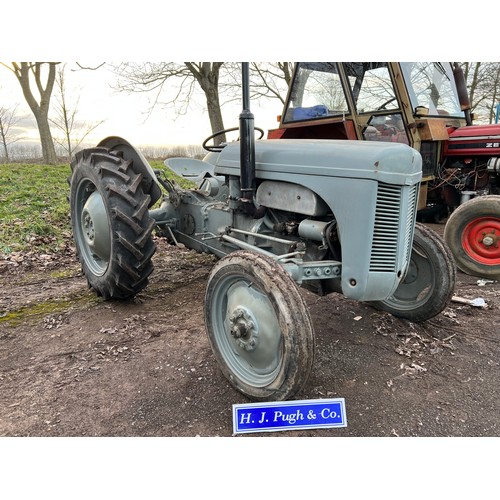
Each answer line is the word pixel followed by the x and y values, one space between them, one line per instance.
pixel 426 106
pixel 327 215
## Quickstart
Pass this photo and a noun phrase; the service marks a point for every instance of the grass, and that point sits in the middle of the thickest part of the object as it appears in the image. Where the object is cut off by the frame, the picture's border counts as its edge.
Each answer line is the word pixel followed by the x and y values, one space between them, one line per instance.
pixel 33 207
pixel 34 210
pixel 159 165
pixel 49 306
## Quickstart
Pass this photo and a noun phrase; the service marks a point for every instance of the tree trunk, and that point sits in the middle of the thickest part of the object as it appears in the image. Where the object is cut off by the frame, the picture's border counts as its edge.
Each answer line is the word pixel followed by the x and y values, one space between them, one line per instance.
pixel 48 148
pixel 207 75
pixel 4 140
pixel 40 110
pixel 215 114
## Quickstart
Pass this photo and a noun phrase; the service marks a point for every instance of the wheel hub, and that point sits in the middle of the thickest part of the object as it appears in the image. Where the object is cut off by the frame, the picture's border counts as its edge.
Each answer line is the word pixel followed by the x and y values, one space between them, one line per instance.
pixel 490 239
pixel 411 274
pixel 93 230
pixel 88 227
pixel 243 328
pixel 480 240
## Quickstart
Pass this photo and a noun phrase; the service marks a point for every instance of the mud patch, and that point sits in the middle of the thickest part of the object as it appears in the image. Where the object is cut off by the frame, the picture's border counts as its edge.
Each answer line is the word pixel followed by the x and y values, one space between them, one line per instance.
pixel 74 365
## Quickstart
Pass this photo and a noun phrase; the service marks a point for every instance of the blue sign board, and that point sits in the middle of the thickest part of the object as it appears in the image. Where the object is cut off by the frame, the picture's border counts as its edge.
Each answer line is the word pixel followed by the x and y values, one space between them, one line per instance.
pixel 289 415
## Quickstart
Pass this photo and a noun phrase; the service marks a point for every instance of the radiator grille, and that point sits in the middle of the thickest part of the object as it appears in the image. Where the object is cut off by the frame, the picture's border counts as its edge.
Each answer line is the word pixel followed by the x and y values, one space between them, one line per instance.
pixel 389 226
pixel 412 210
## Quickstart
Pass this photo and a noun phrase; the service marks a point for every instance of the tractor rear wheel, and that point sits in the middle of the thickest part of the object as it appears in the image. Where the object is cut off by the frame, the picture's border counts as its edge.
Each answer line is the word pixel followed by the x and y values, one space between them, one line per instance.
pixel 429 282
pixel 258 326
pixel 473 235
pixel 111 223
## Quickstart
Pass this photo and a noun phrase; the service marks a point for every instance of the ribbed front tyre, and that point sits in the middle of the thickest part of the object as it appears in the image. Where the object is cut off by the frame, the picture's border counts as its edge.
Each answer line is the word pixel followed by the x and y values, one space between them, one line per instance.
pixel 111 225
pixel 259 326
pixel 430 279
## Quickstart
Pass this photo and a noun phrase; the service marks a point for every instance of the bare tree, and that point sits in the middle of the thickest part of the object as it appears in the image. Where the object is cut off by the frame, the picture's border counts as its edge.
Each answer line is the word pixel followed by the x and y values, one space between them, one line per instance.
pixel 496 93
pixel 490 90
pixel 483 82
pixel 8 120
pixel 271 79
pixel 73 132
pixel 27 73
pixel 141 77
pixel 267 80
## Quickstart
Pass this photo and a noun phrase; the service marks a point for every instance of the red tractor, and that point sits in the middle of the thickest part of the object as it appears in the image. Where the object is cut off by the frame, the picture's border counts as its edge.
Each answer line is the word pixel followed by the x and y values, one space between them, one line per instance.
pixel 426 106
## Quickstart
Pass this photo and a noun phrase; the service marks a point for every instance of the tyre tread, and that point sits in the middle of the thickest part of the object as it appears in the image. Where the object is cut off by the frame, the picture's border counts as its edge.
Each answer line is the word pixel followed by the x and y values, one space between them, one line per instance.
pixel 133 247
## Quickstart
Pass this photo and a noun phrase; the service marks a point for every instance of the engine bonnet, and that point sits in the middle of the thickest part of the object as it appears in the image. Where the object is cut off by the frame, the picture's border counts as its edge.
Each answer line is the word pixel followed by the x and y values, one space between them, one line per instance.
pixel 384 162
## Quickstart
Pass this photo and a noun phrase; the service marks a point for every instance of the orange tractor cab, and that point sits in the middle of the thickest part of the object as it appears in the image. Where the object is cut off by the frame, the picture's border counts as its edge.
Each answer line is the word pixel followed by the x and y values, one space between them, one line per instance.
pixel 426 106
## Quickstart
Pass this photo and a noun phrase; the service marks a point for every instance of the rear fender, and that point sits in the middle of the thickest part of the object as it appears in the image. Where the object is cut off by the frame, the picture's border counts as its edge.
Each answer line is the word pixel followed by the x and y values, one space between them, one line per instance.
pixel 140 166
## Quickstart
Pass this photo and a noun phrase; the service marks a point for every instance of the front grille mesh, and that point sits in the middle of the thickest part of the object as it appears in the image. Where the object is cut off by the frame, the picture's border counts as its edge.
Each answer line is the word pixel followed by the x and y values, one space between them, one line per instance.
pixel 410 220
pixel 386 233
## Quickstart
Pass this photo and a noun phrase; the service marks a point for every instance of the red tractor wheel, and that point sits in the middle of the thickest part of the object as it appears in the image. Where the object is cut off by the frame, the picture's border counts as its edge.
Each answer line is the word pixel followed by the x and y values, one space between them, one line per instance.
pixel 473 235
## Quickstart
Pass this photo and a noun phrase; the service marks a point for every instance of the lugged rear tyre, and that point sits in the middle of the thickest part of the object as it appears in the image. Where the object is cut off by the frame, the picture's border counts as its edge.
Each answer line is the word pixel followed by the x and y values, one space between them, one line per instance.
pixel 111 223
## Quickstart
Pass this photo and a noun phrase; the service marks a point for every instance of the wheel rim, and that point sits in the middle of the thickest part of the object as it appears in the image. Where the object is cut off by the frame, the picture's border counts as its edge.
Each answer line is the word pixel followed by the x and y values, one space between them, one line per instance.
pixel 246 331
pixel 481 240
pixel 92 228
pixel 418 284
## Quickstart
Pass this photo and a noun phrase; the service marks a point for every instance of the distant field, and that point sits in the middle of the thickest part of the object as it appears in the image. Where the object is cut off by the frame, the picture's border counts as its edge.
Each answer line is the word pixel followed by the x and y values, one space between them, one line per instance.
pixel 34 210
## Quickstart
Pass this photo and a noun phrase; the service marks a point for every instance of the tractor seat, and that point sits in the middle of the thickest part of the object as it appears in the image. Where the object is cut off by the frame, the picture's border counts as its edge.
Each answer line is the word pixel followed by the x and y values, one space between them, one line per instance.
pixel 190 168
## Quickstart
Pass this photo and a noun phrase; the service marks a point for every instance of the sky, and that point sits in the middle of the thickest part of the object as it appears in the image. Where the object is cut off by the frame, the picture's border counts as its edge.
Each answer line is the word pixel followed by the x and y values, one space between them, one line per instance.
pixel 128 115
pixel 260 31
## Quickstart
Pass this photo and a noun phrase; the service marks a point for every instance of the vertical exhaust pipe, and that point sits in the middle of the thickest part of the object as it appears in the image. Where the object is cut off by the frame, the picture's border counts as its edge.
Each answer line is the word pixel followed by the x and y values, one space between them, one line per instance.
pixel 463 95
pixel 247 141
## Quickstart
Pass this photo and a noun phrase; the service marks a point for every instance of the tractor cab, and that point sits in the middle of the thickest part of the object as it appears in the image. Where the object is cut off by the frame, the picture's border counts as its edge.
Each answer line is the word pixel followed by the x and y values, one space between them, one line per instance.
pixel 414 103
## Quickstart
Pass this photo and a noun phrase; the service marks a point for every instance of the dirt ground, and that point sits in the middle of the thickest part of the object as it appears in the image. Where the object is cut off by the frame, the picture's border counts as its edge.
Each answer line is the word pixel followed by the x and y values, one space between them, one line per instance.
pixel 74 365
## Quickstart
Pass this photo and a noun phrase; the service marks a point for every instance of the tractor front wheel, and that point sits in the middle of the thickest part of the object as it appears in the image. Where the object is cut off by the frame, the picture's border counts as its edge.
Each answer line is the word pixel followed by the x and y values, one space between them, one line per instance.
pixel 473 235
pixel 429 282
pixel 111 223
pixel 258 326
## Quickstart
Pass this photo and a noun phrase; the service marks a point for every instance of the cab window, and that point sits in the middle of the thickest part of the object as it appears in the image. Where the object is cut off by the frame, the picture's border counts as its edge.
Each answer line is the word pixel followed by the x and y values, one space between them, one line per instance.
pixel 371 86
pixel 316 92
pixel 432 89
pixel 386 128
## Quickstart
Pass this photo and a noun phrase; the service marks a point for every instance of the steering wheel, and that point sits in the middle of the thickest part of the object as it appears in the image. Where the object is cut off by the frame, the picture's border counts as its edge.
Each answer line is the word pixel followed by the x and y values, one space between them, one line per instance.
pixel 383 106
pixel 220 147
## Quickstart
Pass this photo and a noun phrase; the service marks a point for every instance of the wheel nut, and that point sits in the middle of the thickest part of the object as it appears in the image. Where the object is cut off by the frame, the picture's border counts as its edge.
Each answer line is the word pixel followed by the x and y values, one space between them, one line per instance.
pixel 242 328
pixel 488 241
